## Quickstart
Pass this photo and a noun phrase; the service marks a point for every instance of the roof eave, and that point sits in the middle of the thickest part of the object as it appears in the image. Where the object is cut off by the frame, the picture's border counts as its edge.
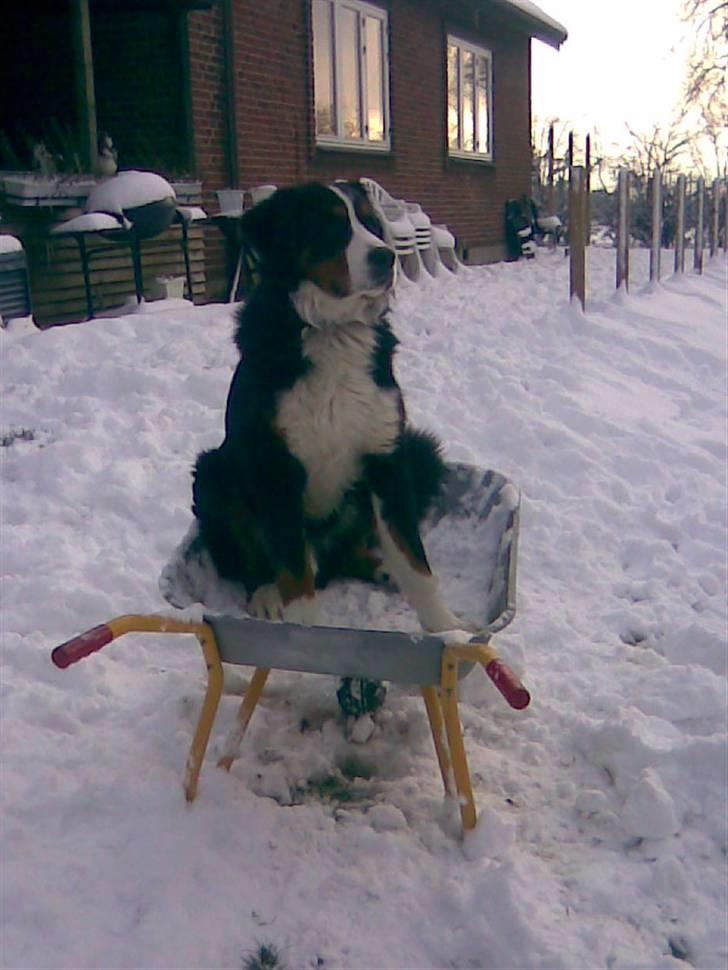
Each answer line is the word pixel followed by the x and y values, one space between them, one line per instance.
pixel 548 31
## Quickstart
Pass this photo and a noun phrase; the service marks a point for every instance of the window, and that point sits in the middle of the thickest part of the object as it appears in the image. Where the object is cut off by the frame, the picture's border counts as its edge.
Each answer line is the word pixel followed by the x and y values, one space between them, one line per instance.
pixel 351 74
pixel 469 100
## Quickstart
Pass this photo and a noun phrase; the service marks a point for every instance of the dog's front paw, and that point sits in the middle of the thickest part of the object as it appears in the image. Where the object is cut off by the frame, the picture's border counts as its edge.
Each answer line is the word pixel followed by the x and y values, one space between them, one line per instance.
pixel 266 603
pixel 442 619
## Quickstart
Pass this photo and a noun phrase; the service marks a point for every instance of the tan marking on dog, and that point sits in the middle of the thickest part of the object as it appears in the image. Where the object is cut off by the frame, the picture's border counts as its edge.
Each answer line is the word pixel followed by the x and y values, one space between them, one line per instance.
pixel 331 275
pixel 294 587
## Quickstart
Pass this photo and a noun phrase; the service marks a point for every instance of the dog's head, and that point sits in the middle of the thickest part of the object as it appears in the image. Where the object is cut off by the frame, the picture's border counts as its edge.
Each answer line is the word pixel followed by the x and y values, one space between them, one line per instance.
pixel 324 245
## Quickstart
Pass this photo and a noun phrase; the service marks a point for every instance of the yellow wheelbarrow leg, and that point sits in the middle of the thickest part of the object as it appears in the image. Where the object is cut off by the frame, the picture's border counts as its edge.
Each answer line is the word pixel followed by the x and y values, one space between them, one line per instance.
pixel 455 738
pixel 437 726
pixel 245 712
pixel 207 714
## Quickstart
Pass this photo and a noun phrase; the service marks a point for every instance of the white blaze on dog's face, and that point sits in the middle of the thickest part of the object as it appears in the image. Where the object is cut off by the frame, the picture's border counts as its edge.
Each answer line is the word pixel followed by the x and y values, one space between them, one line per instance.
pixel 371 262
pixel 356 283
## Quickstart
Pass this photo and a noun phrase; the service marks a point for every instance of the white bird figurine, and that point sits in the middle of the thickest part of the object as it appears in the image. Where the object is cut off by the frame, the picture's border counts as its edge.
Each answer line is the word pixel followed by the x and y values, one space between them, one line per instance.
pixel 44 160
pixel 106 159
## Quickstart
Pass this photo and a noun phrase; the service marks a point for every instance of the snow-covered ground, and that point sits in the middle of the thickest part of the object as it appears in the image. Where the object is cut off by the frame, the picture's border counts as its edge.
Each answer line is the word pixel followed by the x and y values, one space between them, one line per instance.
pixel 602 841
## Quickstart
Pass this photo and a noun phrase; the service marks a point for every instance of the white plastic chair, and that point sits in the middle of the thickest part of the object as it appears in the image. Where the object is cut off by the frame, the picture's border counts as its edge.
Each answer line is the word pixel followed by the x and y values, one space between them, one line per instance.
pixel 434 244
pixel 429 255
pixel 399 231
pixel 443 242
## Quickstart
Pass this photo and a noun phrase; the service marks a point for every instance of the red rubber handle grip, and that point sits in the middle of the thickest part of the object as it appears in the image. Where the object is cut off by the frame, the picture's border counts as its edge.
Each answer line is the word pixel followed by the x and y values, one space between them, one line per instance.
pixel 81 646
pixel 508 684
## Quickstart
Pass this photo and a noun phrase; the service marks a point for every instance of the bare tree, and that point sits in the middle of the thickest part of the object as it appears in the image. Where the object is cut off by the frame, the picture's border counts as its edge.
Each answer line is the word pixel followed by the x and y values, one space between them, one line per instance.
pixel 705 87
pixel 709 56
pixel 657 146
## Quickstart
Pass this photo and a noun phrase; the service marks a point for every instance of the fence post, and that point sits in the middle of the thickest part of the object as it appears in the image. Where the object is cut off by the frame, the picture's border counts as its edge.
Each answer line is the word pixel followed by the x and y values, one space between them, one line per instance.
pixel 587 211
pixel 714 217
pixel 623 185
pixel 656 245
pixel 680 225
pixel 551 199
pixel 699 217
pixel 577 235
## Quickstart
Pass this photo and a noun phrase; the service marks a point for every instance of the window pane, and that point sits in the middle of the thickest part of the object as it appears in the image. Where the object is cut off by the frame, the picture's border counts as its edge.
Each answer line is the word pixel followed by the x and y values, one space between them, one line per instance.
pixel 468 59
pixel 349 55
pixel 375 87
pixel 453 123
pixel 323 67
pixel 481 101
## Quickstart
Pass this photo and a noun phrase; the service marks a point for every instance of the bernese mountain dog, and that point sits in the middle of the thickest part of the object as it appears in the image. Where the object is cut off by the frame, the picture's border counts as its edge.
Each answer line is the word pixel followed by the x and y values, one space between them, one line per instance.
pixel 319 476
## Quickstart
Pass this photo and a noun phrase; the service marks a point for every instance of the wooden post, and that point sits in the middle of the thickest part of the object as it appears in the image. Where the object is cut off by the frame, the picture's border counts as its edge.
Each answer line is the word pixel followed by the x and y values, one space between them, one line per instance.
pixel 714 217
pixel 699 217
pixel 551 199
pixel 680 225
pixel 623 186
pixel 84 81
pixel 577 235
pixel 587 213
pixel 656 243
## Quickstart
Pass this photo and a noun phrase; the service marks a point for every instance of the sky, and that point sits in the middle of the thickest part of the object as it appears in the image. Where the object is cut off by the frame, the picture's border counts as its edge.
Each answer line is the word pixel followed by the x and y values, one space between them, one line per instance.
pixel 624 63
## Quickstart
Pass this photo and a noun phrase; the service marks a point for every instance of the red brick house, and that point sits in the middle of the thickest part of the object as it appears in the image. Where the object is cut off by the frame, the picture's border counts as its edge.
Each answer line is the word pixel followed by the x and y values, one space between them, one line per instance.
pixel 443 108
pixel 429 97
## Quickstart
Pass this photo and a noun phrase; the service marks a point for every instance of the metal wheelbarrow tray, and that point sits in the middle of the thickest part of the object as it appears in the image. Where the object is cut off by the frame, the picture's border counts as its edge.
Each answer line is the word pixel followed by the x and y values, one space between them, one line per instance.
pixel 471 538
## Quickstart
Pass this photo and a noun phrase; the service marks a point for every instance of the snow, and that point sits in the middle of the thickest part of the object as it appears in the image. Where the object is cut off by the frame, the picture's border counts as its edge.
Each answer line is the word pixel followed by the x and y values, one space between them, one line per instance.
pixel 557 33
pixel 527 7
pixel 90 222
pixel 127 190
pixel 9 244
pixel 602 833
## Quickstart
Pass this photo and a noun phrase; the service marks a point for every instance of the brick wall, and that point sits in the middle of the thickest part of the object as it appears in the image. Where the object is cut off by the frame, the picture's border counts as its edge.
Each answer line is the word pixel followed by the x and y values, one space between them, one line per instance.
pixel 274 112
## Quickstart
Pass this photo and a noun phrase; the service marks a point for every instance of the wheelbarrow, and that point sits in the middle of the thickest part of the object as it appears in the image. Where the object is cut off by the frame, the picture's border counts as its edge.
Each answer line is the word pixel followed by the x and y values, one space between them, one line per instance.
pixel 478 513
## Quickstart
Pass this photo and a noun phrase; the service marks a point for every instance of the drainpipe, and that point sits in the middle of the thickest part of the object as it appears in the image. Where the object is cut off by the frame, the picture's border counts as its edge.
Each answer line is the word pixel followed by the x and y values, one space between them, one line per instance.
pixel 231 124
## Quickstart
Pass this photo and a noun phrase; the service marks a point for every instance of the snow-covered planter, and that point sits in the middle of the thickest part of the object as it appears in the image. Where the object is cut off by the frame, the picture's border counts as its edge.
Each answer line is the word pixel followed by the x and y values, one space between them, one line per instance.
pixel 27 188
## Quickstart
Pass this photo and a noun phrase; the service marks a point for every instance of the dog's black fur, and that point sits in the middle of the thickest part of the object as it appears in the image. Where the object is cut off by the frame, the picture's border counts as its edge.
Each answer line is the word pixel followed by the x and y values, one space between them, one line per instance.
pixel 250 494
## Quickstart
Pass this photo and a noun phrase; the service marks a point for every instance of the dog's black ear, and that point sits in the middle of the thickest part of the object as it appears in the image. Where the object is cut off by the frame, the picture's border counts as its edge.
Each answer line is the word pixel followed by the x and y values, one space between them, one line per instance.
pixel 293 228
pixel 270 232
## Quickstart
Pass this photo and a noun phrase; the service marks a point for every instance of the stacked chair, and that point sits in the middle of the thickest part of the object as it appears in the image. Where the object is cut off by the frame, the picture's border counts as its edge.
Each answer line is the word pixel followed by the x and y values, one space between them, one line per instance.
pixel 420 246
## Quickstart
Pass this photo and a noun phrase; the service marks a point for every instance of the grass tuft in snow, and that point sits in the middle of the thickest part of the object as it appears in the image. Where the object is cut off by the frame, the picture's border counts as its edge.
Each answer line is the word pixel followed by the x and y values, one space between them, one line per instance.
pixel 266 956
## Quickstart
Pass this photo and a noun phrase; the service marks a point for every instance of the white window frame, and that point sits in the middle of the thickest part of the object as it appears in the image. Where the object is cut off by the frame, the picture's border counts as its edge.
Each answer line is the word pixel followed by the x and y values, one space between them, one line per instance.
pixel 478 51
pixel 339 140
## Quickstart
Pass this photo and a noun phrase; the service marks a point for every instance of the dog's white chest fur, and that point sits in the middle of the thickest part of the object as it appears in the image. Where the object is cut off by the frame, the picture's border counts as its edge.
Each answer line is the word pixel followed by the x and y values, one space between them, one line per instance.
pixel 336 413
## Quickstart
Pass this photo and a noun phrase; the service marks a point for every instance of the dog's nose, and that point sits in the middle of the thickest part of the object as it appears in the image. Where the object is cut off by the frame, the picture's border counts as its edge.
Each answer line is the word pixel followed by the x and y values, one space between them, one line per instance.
pixel 381 261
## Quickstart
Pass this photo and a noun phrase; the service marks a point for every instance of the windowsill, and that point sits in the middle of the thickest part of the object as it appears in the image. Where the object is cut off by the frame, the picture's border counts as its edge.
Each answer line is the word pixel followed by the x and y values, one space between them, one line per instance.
pixel 369 147
pixel 470 157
